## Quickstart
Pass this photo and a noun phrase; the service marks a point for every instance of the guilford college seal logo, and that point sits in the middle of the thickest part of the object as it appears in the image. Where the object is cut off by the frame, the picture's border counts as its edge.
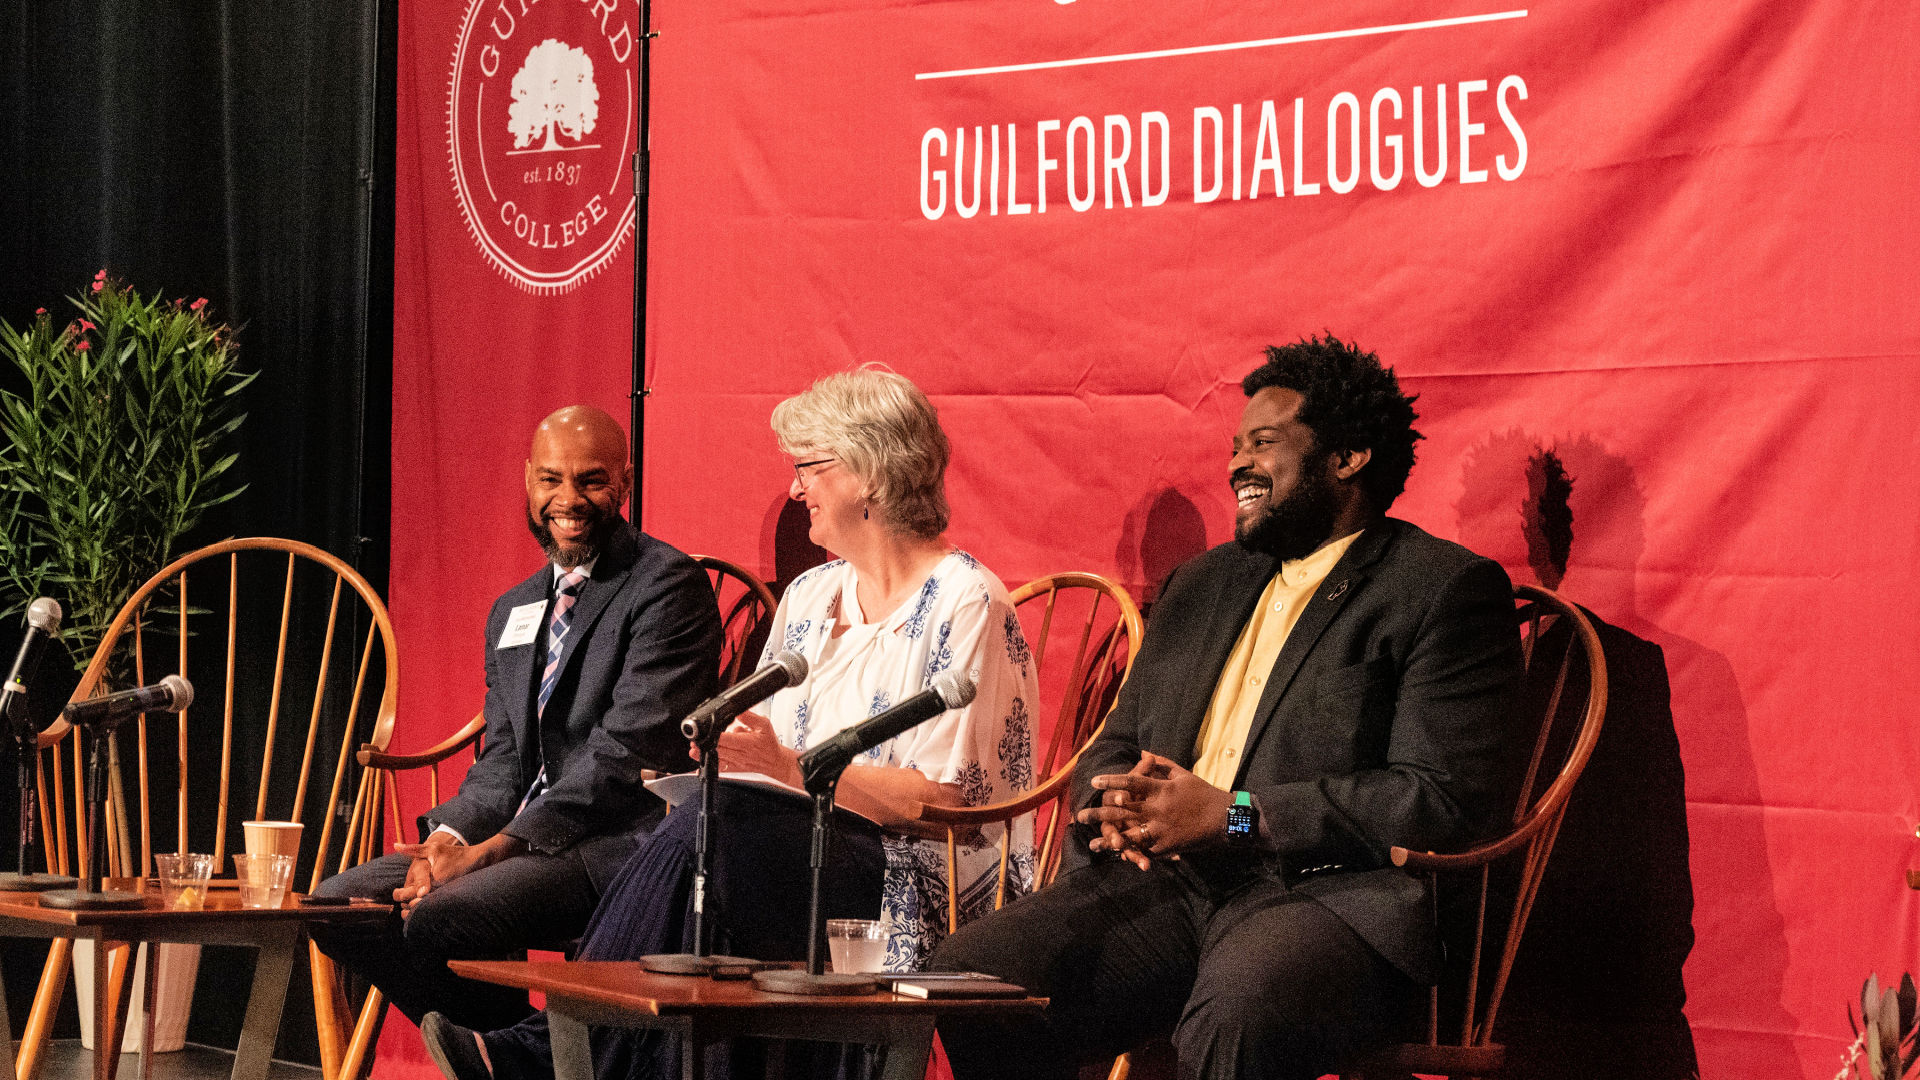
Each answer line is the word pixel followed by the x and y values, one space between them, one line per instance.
pixel 541 113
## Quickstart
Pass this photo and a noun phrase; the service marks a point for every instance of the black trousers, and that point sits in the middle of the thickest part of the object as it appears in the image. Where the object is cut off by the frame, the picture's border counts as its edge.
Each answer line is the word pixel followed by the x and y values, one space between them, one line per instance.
pixel 491 914
pixel 1249 978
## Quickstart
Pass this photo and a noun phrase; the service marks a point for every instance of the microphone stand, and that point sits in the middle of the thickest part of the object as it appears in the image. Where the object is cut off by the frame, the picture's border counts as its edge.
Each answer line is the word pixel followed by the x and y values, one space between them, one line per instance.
pixel 814 981
pixel 92 896
pixel 698 962
pixel 27 744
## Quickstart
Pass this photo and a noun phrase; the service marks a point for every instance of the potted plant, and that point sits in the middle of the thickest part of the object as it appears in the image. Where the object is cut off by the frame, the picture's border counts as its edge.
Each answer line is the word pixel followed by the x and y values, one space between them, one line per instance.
pixel 110 452
pixel 1884 1037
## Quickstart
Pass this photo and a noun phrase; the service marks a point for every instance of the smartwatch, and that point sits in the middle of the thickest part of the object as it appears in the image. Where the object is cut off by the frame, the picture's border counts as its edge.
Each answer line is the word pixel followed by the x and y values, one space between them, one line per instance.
pixel 1243 821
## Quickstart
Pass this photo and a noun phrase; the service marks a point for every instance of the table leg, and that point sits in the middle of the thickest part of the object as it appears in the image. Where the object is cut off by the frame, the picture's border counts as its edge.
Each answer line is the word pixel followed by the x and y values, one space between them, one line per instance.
pixel 271 973
pixel 572 1054
pixel 112 993
pixel 6 1035
pixel 908 1045
pixel 148 992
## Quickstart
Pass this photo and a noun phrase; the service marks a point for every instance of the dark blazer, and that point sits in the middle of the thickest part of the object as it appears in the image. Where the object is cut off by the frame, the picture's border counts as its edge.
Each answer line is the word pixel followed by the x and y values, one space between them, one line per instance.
pixel 642 650
pixel 1386 719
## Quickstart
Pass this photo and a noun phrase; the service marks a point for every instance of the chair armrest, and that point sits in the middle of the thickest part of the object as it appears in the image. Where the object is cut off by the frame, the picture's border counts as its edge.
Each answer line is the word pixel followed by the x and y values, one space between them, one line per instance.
pixel 997 812
pixel 53 733
pixel 373 758
pixel 1473 858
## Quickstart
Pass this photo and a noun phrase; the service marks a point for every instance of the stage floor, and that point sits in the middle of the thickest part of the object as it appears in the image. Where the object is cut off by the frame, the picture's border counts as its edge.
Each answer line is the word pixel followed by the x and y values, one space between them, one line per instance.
pixel 67 1060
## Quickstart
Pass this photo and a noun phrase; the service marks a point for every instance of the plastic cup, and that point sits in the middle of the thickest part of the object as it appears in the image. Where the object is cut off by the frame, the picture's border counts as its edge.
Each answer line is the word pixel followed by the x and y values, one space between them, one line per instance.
pixel 263 879
pixel 857 945
pixel 183 880
pixel 272 837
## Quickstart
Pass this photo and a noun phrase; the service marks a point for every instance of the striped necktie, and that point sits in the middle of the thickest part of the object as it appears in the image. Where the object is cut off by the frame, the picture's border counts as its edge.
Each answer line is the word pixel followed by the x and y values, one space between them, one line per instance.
pixel 563 603
pixel 557 623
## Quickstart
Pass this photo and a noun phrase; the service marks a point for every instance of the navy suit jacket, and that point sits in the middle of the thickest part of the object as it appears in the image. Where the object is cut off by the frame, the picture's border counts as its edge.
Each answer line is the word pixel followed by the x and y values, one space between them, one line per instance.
pixel 1387 719
pixel 642 650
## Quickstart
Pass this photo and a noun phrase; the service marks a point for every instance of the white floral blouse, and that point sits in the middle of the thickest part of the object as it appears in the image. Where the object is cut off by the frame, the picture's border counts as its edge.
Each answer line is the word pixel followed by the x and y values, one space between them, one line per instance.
pixel 960 617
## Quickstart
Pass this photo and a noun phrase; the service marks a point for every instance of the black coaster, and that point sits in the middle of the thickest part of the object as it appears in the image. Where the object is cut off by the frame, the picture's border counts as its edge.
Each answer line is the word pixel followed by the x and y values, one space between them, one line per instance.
pixel 799 982
pixel 82 900
pixel 36 882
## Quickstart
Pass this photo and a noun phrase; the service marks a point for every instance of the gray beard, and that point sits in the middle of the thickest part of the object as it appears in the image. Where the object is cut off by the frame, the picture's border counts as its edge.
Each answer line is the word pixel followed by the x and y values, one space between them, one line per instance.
pixel 584 552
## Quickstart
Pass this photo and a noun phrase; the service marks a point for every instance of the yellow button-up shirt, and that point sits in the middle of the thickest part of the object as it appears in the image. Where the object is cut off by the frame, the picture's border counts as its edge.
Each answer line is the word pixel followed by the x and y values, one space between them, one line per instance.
pixel 1236 697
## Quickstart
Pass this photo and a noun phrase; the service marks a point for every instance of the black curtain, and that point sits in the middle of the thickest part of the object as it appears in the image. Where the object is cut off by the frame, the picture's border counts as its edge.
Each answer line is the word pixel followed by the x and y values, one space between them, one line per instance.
pixel 241 152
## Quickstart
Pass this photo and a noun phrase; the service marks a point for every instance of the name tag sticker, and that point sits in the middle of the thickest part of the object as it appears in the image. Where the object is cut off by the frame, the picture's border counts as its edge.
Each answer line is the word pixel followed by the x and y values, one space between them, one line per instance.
pixel 523 623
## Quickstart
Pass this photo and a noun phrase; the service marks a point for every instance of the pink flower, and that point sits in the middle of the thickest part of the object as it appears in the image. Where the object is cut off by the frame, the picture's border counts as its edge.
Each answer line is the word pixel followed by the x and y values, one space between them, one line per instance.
pixel 39 311
pixel 101 276
pixel 85 325
pixel 198 304
pixel 82 345
pixel 98 285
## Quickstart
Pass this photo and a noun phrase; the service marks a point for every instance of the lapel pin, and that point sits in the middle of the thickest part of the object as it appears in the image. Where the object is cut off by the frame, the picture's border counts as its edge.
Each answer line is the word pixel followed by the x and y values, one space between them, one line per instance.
pixel 1339 590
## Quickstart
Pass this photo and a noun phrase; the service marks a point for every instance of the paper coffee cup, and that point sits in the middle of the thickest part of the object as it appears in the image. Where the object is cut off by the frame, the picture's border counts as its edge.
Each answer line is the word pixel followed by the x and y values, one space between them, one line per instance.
pixel 272 837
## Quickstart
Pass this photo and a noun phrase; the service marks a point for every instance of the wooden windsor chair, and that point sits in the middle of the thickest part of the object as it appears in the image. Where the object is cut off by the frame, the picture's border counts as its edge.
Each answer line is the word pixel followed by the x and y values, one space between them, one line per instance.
pixel 746 606
pixel 1104 630
pixel 1566 691
pixel 1496 881
pixel 257 687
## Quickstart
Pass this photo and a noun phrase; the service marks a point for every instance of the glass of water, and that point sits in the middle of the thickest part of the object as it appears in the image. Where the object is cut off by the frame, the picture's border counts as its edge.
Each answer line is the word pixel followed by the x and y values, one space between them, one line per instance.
pixel 263 879
pixel 183 880
pixel 857 945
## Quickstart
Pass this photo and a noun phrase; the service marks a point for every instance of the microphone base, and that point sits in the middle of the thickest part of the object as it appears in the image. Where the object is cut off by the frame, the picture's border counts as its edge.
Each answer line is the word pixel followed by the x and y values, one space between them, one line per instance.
pixel 11 882
pixel 800 982
pixel 88 900
pixel 713 967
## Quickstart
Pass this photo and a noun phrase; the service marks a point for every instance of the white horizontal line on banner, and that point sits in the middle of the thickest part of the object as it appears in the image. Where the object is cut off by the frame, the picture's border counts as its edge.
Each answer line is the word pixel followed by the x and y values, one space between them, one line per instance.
pixel 1230 46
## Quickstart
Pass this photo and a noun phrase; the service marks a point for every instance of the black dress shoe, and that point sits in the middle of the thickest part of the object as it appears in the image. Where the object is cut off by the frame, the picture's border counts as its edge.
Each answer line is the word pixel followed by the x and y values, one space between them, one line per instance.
pixel 453 1048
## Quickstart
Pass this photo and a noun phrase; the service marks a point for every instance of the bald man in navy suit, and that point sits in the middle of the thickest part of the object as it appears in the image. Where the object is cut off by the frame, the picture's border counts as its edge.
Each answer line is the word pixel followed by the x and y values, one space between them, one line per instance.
pixel 576 708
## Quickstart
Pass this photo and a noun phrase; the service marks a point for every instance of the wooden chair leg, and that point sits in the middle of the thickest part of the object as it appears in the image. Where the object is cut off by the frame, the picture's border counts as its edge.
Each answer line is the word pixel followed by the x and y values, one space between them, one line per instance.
pixel 329 1011
pixel 366 1033
pixel 46 1006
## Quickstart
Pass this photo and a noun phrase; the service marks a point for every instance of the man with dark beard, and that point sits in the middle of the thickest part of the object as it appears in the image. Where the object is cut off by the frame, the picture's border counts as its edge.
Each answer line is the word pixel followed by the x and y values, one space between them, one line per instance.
pixel 591 664
pixel 1330 684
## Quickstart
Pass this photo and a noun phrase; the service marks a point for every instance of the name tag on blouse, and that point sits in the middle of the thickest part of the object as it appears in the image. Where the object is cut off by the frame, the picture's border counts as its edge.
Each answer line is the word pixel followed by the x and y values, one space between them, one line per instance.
pixel 523 623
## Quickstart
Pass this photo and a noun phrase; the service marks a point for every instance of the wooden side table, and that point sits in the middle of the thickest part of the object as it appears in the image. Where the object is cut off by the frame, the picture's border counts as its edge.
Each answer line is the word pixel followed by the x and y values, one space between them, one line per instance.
pixel 704 1011
pixel 275 932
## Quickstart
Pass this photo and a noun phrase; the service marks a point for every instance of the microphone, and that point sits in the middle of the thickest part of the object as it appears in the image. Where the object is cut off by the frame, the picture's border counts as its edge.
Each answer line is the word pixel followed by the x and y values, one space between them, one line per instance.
pixel 171 694
pixel 824 763
pixel 43 622
pixel 786 669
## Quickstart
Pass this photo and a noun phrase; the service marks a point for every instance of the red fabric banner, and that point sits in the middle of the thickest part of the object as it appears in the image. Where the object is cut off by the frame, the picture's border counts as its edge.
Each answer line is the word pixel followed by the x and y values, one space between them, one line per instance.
pixel 1673 244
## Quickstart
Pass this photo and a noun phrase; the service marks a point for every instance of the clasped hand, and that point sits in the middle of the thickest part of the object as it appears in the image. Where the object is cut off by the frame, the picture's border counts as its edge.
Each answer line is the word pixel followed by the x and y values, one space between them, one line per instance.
pixel 750 745
pixel 1155 809
pixel 442 859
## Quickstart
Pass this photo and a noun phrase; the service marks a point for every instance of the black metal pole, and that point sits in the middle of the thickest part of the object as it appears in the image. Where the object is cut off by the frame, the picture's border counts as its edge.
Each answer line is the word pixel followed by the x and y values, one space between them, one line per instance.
pixel 641 166
pixel 822 837
pixel 703 836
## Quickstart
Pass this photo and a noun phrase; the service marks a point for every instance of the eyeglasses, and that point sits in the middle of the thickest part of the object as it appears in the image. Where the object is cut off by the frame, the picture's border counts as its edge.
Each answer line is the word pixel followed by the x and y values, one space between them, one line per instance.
pixel 799 467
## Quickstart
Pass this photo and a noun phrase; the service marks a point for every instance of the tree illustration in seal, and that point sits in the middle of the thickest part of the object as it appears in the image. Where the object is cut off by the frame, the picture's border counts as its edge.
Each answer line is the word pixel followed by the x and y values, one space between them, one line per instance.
pixel 553 90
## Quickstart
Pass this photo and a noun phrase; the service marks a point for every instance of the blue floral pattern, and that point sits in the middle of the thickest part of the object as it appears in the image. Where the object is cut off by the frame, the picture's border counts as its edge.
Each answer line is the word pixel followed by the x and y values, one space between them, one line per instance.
pixel 940 657
pixel 974 788
pixel 917 622
pixel 1017 652
pixel 800 726
pixel 1016 748
pixel 795 638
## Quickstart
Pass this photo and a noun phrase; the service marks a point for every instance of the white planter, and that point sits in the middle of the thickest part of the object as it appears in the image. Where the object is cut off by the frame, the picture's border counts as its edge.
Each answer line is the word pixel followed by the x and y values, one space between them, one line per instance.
pixel 179 964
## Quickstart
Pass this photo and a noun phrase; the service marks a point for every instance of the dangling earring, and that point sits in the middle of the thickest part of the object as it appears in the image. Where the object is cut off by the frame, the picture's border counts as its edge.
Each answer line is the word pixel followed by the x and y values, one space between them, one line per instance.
pixel 864 510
